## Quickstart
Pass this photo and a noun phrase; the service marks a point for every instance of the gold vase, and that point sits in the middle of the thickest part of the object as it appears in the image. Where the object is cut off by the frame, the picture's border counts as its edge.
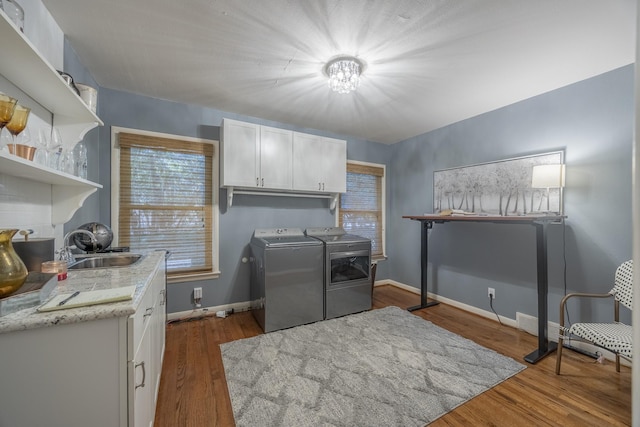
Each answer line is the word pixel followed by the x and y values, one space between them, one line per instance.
pixel 13 272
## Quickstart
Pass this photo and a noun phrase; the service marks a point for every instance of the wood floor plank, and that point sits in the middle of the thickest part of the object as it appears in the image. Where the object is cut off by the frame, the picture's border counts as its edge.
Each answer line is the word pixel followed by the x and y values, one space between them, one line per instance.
pixel 193 389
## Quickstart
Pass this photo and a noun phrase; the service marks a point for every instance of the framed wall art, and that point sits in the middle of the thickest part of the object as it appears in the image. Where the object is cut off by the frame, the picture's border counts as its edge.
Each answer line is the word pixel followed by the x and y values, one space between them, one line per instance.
pixel 519 186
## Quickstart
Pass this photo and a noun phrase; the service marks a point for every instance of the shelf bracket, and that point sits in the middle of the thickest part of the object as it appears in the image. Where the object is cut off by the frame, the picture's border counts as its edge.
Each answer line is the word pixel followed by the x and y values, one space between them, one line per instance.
pixel 229 197
pixel 334 201
pixel 71 132
pixel 66 201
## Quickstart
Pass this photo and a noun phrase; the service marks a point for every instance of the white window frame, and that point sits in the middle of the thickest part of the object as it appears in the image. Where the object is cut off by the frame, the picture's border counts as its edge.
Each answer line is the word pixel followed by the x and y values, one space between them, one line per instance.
pixel 384 206
pixel 215 211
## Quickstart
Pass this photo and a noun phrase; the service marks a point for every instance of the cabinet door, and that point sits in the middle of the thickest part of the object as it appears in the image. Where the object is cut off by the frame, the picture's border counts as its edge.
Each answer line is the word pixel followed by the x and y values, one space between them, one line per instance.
pixel 276 155
pixel 158 325
pixel 334 171
pixel 65 375
pixel 141 412
pixel 240 154
pixel 307 162
pixel 147 335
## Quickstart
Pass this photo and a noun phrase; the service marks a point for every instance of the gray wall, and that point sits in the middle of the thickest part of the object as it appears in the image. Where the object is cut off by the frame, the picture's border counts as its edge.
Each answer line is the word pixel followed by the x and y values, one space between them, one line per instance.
pixel 593 122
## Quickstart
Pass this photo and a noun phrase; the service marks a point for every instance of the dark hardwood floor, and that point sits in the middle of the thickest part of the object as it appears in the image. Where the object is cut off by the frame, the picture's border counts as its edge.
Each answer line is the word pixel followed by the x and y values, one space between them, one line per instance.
pixel 193 390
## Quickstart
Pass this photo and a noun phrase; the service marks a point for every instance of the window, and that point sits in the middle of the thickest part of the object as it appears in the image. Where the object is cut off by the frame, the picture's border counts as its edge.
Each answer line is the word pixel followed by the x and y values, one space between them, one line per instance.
pixel 164 198
pixel 362 206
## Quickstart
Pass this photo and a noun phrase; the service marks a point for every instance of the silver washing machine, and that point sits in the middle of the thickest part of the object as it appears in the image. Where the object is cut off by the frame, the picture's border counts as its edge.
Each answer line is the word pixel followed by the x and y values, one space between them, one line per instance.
pixel 347 260
pixel 287 287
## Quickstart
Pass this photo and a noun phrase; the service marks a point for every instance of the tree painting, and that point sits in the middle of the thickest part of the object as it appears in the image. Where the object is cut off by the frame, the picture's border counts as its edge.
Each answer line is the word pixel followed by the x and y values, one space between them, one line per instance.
pixel 497 188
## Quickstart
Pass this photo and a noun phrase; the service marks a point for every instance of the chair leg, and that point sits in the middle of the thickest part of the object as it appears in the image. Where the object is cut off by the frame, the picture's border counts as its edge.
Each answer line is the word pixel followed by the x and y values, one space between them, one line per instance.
pixel 617 362
pixel 559 355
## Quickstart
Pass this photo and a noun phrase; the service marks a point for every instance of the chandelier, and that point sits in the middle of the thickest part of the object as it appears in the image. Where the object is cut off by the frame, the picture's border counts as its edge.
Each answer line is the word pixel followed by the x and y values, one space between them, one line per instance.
pixel 344 74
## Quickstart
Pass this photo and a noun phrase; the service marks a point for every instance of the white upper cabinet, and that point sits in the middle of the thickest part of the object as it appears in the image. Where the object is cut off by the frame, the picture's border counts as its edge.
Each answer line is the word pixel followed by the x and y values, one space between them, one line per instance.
pixel 307 156
pixel 290 163
pixel 319 163
pixel 240 148
pixel 335 162
pixel 276 156
pixel 255 156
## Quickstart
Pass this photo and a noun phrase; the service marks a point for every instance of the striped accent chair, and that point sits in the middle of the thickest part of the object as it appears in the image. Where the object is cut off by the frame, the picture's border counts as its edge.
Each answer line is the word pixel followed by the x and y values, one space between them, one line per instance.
pixel 616 337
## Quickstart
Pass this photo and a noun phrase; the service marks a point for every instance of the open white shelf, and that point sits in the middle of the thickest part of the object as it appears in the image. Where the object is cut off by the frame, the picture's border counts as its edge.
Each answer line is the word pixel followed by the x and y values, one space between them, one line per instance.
pixel 68 192
pixel 27 69
pixel 23 168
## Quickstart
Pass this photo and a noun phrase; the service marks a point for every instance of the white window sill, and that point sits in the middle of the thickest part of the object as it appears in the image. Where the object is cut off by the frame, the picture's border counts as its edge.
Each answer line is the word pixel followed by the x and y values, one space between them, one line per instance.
pixel 193 277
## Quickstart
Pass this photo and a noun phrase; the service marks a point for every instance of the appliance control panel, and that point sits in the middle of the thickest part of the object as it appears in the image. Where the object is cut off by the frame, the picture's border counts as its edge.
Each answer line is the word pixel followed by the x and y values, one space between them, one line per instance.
pixel 277 232
pixel 325 231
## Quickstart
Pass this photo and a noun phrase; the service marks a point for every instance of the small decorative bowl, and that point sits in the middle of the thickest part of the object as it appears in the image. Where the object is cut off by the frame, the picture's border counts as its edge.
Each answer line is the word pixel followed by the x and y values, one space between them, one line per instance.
pixel 21 150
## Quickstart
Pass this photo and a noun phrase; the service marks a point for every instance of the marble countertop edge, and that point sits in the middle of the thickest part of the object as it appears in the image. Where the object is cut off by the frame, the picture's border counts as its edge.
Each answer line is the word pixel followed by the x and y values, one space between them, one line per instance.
pixel 139 274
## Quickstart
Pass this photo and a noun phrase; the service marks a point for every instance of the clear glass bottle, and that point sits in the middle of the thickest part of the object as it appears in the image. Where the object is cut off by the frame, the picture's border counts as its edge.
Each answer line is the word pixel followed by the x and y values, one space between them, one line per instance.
pixel 67 162
pixel 80 157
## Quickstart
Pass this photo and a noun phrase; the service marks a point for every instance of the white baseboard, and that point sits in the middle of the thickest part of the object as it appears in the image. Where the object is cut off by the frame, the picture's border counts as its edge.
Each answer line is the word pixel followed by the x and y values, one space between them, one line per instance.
pixel 480 312
pixel 524 322
pixel 529 324
pixel 208 311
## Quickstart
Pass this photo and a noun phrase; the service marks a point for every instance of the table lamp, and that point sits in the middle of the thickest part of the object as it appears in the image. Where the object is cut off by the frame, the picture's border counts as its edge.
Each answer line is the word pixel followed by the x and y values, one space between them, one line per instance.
pixel 549 176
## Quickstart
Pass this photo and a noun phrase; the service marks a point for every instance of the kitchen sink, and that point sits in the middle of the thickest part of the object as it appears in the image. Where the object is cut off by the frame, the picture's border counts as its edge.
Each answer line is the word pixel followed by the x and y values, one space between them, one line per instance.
pixel 106 261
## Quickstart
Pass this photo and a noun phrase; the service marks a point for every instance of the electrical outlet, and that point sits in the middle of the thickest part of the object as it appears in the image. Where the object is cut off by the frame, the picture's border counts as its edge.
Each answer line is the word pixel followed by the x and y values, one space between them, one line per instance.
pixel 491 293
pixel 197 296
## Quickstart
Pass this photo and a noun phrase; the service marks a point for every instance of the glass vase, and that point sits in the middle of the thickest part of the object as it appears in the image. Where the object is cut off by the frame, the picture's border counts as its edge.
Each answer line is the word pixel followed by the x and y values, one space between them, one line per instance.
pixel 13 272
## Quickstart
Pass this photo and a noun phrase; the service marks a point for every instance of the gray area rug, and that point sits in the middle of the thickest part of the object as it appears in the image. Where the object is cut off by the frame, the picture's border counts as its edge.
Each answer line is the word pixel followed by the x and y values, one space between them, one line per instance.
pixel 383 367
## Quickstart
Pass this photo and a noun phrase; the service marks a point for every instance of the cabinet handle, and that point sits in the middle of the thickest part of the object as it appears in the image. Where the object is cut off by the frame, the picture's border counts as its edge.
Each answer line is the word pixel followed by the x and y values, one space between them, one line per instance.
pixel 323 186
pixel 257 182
pixel 148 312
pixel 144 374
pixel 319 186
pixel 263 182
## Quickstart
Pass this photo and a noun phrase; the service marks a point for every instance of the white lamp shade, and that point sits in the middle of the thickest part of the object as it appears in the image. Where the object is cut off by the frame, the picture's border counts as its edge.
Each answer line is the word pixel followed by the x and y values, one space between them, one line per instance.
pixel 547 176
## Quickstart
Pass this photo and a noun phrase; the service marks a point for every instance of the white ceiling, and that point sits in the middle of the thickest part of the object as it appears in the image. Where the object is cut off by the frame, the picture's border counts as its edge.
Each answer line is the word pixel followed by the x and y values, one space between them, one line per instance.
pixel 430 63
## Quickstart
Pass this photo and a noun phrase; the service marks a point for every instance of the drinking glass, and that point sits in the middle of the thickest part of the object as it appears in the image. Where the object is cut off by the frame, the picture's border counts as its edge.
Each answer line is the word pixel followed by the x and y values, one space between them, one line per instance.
pixel 16 125
pixel 23 138
pixel 7 107
pixel 42 148
pixel 18 120
pixel 55 149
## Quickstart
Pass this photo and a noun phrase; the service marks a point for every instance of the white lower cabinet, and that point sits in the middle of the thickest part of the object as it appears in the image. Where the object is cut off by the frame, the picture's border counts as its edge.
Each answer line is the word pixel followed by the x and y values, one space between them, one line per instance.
pixel 141 411
pixel 99 373
pixel 146 336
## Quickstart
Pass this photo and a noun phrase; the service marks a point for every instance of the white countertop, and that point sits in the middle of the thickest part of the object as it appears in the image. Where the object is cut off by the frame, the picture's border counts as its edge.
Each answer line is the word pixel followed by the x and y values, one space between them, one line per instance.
pixel 138 275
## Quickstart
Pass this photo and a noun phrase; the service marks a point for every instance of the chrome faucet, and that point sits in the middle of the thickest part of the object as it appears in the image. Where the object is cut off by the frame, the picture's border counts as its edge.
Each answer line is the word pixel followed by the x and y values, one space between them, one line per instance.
pixel 65 253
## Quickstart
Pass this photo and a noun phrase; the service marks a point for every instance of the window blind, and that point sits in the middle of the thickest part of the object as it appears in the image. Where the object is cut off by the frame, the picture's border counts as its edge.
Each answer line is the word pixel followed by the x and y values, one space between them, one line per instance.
pixel 166 200
pixel 361 205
